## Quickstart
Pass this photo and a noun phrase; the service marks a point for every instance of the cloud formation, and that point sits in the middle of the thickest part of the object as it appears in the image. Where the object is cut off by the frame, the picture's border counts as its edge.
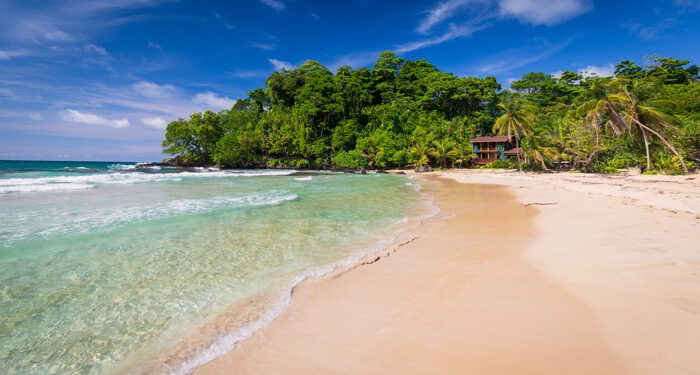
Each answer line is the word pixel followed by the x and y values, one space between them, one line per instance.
pixel 263 46
pixel 599 71
pixel 154 122
pixel 92 119
pixel 9 54
pixel 652 32
pixel 535 12
pixel 453 32
pixel 543 12
pixel 214 101
pixel 152 90
pixel 274 4
pixel 279 64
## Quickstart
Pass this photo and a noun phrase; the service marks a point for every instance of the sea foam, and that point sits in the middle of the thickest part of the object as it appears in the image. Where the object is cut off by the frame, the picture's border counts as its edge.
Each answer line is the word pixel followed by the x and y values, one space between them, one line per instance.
pixel 70 223
pixel 40 184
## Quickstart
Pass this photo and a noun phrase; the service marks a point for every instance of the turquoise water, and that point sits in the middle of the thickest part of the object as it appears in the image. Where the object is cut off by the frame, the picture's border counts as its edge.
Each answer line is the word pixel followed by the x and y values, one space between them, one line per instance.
pixel 107 269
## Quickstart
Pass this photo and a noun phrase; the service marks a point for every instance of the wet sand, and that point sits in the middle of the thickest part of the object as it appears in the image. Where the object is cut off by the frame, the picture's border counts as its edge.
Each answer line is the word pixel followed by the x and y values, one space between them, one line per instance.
pixel 593 284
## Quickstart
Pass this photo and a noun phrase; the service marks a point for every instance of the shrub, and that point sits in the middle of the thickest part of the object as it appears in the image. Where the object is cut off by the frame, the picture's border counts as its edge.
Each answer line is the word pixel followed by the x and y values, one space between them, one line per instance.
pixel 350 159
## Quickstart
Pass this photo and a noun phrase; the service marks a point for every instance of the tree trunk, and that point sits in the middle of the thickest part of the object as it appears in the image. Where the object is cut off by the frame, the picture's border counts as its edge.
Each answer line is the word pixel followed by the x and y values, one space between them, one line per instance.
pixel 517 146
pixel 685 170
pixel 646 146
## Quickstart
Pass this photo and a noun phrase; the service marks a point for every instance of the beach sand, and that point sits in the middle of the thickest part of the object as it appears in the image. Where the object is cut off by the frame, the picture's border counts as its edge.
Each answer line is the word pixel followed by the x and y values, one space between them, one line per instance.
pixel 604 278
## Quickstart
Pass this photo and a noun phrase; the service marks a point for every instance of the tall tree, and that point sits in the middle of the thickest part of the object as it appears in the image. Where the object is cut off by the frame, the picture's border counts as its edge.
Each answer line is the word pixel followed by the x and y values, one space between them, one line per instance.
pixel 517 120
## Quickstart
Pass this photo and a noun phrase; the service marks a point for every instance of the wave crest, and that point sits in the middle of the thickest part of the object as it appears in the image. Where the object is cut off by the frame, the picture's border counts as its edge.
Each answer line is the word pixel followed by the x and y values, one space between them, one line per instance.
pixel 40 184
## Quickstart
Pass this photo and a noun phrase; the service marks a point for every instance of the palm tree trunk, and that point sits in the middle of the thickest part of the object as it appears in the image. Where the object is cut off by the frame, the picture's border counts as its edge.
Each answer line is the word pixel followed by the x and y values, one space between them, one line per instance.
pixel 517 146
pixel 646 146
pixel 685 169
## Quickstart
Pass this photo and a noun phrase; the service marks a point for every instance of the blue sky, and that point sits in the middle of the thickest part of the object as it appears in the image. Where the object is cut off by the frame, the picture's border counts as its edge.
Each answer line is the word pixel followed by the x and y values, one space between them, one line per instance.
pixel 98 80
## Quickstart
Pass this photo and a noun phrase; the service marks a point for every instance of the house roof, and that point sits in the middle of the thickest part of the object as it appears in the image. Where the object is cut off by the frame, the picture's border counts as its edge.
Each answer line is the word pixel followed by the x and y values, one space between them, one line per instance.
pixel 498 138
pixel 513 151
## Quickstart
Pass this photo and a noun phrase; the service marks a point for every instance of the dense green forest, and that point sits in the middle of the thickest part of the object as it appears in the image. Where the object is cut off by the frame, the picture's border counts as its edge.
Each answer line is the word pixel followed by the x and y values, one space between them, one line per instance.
pixel 405 113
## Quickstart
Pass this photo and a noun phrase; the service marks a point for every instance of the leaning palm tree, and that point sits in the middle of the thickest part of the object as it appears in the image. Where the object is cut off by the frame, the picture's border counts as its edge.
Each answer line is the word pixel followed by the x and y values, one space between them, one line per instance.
pixel 538 149
pixel 517 120
pixel 444 151
pixel 630 108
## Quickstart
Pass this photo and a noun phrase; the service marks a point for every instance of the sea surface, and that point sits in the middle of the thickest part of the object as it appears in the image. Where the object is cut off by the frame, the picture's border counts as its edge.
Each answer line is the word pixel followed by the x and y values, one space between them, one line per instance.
pixel 108 268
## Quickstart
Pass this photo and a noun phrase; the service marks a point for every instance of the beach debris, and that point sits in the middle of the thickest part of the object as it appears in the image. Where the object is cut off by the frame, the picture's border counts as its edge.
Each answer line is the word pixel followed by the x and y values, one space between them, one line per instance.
pixel 539 204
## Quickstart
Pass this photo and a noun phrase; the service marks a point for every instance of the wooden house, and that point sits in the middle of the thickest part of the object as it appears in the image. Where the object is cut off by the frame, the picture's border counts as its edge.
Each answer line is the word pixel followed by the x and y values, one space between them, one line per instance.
pixel 490 149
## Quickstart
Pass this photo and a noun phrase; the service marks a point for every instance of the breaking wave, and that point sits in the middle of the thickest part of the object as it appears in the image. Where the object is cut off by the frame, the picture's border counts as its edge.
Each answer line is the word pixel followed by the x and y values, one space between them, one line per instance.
pixel 41 184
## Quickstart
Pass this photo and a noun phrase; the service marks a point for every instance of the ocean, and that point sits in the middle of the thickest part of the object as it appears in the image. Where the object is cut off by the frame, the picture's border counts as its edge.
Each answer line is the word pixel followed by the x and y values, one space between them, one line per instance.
pixel 108 268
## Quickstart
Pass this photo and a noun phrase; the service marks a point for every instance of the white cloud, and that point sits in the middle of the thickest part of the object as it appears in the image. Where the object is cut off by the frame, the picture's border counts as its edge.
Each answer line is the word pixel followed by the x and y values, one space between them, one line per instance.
pixel 536 12
pixel 95 48
pixel 600 71
pixel 8 94
pixel 315 16
pixel 229 26
pixel 279 64
pixel 650 32
pixel 154 122
pixel 558 74
pixel 152 90
pixel 265 46
pixel 543 12
pixel 53 35
pixel 509 60
pixel 274 4
pixel 454 32
pixel 35 116
pixel 154 45
pixel 92 119
pixel 440 13
pixel 245 73
pixel 214 101
pixel 687 3
pixel 9 54
pixel 354 60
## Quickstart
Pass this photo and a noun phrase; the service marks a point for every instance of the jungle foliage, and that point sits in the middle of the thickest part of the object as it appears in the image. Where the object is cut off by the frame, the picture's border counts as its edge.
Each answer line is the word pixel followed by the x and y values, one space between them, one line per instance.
pixel 406 113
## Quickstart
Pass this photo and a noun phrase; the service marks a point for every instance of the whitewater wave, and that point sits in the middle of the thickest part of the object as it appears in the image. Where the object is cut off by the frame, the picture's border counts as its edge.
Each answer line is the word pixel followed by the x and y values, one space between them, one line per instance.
pixel 307 178
pixel 68 222
pixel 40 184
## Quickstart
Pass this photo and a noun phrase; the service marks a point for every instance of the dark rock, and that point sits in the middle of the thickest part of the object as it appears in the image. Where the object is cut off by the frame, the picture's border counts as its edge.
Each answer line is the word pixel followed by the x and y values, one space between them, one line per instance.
pixel 381 171
pixel 423 169
pixel 400 172
pixel 145 165
pixel 363 171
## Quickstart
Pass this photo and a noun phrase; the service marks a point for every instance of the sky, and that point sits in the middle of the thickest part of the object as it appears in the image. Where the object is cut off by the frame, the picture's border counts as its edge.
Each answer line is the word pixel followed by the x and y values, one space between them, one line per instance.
pixel 100 79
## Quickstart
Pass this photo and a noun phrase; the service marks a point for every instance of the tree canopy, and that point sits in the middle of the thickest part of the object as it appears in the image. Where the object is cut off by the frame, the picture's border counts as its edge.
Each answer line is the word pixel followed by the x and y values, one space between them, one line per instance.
pixel 408 113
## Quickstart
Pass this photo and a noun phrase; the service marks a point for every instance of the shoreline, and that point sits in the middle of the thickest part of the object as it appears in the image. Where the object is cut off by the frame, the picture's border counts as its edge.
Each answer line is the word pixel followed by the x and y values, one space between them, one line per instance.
pixel 282 344
pixel 235 325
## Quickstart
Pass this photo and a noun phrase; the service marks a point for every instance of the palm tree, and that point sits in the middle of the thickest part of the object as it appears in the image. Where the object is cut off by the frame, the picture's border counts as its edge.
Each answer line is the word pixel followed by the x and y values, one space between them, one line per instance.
pixel 421 150
pixel 538 150
pixel 518 119
pixel 463 152
pixel 443 150
pixel 629 107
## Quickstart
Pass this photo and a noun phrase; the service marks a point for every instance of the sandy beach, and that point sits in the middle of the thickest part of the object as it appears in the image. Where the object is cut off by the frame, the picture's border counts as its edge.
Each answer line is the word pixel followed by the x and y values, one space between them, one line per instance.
pixel 519 274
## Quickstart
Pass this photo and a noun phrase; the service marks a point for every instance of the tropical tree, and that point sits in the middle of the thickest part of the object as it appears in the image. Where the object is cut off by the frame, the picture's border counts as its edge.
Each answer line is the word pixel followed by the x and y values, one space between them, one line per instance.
pixel 538 150
pixel 463 152
pixel 629 107
pixel 517 120
pixel 421 151
pixel 443 151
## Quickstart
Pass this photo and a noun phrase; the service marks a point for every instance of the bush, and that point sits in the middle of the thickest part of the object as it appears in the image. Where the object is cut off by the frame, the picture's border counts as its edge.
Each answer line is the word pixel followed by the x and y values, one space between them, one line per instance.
pixel 350 159
pixel 501 164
